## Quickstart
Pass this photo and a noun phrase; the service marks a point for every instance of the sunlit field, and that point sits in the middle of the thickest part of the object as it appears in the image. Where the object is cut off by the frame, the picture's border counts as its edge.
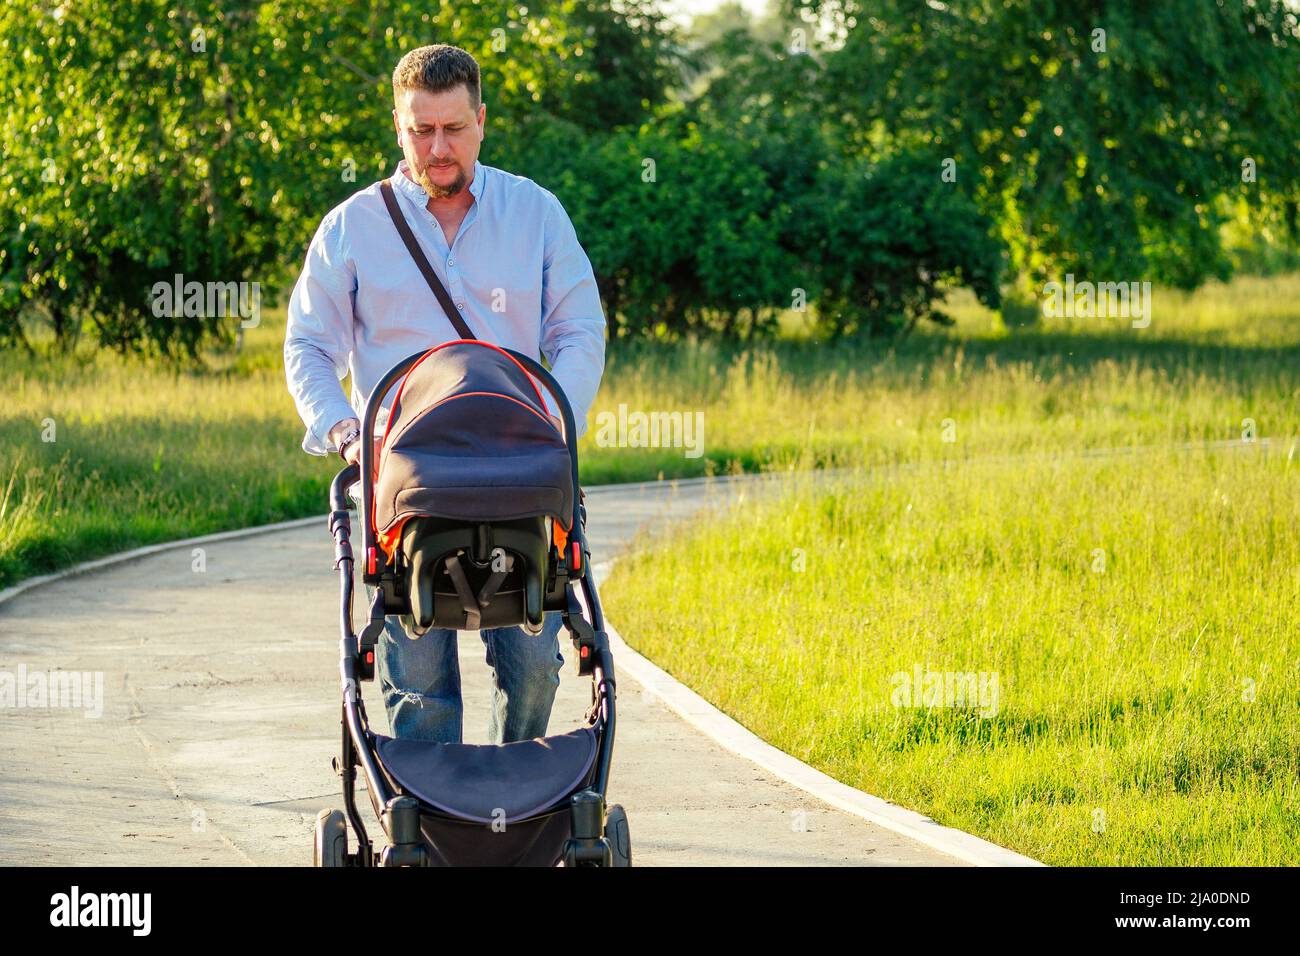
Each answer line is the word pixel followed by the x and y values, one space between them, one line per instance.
pixel 105 453
pixel 1092 660
pixel 1208 363
pixel 1128 616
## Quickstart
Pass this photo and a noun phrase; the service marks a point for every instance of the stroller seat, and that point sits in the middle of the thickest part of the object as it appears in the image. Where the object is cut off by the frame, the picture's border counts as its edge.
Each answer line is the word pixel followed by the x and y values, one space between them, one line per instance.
pixel 478 782
pixel 468 576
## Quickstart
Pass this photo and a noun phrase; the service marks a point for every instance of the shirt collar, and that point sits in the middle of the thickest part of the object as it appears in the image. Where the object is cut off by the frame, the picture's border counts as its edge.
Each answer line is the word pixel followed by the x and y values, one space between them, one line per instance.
pixel 415 192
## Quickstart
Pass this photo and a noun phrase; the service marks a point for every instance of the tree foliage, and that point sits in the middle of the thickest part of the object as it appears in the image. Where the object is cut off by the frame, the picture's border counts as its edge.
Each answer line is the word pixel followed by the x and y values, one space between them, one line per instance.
pixel 715 180
pixel 147 139
pixel 1107 137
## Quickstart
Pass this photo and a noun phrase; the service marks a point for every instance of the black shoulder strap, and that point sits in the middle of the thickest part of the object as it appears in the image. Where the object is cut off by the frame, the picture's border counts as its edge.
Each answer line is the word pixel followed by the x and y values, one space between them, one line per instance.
pixel 431 277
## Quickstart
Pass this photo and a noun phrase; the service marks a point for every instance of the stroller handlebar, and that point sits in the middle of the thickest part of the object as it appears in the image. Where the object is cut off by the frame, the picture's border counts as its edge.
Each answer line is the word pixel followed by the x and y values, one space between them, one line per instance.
pixel 339 487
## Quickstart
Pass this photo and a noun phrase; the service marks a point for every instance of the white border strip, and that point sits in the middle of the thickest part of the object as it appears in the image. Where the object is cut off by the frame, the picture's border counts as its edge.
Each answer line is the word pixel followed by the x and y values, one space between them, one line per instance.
pixel 717 726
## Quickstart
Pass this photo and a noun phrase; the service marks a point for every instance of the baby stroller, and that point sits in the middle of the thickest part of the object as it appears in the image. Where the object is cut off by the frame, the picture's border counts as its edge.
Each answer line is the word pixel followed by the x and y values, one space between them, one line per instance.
pixel 474 520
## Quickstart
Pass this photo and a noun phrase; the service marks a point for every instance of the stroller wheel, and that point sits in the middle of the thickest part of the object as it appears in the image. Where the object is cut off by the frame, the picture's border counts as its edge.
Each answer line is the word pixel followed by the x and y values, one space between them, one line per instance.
pixel 620 841
pixel 331 847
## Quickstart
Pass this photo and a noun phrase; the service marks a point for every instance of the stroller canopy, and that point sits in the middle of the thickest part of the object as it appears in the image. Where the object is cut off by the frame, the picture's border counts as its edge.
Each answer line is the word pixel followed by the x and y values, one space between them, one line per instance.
pixel 469 438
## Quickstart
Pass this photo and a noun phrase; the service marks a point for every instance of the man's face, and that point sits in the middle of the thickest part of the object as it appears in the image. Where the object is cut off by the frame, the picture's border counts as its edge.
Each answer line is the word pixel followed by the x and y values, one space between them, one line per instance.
pixel 440 135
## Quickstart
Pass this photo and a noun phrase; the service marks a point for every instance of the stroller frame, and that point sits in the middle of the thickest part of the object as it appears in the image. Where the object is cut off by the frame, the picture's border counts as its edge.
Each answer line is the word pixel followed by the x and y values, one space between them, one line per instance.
pixel 399 814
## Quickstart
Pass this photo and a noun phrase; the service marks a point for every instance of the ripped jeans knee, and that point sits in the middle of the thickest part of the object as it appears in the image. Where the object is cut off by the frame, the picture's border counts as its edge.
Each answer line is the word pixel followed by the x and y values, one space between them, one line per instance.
pixel 420 680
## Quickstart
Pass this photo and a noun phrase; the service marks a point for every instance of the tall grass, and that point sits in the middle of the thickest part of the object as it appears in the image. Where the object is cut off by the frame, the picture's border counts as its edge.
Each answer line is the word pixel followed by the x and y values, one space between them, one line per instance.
pixel 143 453
pixel 1135 616
pixel 109 453
pixel 1207 363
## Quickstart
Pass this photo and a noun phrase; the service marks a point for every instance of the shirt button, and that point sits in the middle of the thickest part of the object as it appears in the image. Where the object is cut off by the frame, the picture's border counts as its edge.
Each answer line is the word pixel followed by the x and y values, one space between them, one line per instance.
pixel 451 262
pixel 461 306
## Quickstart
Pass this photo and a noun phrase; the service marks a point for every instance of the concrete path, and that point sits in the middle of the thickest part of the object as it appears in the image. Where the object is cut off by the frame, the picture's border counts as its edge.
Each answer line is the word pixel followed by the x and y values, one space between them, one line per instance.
pixel 220 714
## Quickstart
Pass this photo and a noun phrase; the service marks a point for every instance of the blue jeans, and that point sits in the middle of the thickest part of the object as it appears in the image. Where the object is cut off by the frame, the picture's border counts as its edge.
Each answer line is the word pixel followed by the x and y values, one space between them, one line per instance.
pixel 420 680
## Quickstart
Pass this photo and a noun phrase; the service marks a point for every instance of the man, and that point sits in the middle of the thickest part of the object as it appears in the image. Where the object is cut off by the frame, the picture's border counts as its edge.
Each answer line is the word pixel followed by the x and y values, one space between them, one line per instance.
pixel 507 253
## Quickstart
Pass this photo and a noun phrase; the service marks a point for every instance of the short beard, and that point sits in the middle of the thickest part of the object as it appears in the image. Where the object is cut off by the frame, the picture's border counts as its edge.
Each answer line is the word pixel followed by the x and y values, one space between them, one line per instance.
pixel 441 192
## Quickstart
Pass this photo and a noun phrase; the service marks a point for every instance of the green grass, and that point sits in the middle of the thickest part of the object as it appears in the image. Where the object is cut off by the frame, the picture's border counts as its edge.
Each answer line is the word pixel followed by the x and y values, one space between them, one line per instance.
pixel 967 544
pixel 1138 611
pixel 143 454
pixel 1122 735
pixel 1206 363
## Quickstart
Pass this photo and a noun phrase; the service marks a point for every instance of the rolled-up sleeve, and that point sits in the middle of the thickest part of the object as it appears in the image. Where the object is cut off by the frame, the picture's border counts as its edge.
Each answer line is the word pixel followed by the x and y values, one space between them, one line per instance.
pixel 318 337
pixel 573 322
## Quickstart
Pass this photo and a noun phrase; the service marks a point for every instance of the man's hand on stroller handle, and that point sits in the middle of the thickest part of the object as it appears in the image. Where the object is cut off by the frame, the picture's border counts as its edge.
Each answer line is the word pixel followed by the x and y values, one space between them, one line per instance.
pixel 352 453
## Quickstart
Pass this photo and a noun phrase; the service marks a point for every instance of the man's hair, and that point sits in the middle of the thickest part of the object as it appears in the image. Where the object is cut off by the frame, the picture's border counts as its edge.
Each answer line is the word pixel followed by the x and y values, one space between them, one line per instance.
pixel 437 68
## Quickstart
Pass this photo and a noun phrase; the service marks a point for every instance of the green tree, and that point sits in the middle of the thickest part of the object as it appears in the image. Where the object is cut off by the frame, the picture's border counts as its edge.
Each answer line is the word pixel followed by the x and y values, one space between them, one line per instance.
pixel 886 238
pixel 873 235
pixel 207 139
pixel 1107 137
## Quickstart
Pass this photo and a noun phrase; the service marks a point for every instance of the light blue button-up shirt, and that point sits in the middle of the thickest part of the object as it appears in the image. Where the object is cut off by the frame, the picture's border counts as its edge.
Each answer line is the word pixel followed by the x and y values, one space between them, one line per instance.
pixel 515 269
